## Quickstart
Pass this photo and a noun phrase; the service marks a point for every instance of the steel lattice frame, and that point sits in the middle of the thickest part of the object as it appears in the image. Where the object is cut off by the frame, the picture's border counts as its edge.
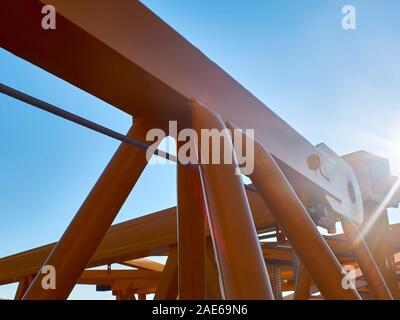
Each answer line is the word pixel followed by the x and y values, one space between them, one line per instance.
pixel 137 63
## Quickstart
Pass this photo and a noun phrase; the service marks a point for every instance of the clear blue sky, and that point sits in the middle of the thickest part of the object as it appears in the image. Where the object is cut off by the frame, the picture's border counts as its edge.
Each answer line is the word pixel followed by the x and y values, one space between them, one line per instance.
pixel 334 86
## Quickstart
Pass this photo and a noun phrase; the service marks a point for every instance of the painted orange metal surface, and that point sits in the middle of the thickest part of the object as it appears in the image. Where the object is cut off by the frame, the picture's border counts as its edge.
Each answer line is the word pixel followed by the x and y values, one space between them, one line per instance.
pixel 366 262
pixel 168 285
pixel 239 258
pixel 70 257
pixel 213 237
pixel 145 264
pixel 145 236
pixel 303 284
pixel 126 38
pixel 378 241
pixel 301 231
pixel 272 254
pixel 379 192
pixel 191 234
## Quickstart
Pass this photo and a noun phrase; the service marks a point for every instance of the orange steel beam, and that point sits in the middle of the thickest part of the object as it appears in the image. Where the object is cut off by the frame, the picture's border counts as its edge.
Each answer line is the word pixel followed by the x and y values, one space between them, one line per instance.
pixel 302 284
pixel 126 39
pixel 212 276
pixel 123 290
pixel 123 284
pixel 79 242
pixel 150 235
pixel 23 285
pixel 297 225
pixel 121 241
pixel 379 244
pixel 132 57
pixel 136 279
pixel 126 294
pixel 379 192
pixel 277 253
pixel 104 277
pixel 145 264
pixel 366 262
pixel 139 278
pixel 126 240
pixel 272 253
pixel 284 253
pixel 191 220
pixel 238 254
pixel 21 289
pixel 168 286
pixel 145 236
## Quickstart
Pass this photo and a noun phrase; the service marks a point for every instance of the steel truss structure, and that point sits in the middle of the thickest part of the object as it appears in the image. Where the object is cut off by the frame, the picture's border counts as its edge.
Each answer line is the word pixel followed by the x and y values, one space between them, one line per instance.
pixel 224 240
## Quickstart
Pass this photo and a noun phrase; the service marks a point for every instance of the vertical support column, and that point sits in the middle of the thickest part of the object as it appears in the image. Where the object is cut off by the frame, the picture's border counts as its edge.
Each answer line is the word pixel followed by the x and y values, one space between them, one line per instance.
pixel 168 286
pixel 142 296
pixel 82 237
pixel 275 269
pixel 212 276
pixel 298 226
pixel 379 244
pixel 191 234
pixel 302 283
pixel 366 262
pixel 238 252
